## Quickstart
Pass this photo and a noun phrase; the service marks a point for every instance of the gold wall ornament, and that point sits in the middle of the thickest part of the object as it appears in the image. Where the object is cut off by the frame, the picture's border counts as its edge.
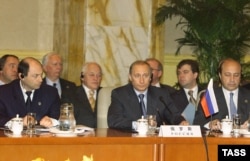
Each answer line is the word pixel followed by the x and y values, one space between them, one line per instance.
pixel 84 158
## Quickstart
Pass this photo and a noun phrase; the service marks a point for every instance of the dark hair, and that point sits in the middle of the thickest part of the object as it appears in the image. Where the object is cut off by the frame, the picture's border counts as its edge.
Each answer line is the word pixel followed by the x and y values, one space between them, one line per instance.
pixel 23 67
pixel 4 58
pixel 193 63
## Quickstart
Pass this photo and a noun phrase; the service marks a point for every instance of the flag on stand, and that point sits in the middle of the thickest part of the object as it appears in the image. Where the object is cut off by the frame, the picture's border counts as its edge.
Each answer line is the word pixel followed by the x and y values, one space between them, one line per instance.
pixel 208 101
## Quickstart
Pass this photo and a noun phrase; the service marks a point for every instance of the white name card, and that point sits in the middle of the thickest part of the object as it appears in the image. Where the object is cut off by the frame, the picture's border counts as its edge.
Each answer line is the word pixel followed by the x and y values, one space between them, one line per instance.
pixel 180 131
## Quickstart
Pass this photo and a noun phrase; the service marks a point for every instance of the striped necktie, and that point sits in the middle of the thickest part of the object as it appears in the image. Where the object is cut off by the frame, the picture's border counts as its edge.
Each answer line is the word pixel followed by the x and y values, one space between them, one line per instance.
pixel 191 99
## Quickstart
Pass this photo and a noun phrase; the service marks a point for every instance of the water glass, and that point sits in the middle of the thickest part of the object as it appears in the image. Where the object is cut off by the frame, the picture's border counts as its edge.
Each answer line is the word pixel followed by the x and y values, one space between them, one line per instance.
pixel 31 122
pixel 236 124
pixel 152 124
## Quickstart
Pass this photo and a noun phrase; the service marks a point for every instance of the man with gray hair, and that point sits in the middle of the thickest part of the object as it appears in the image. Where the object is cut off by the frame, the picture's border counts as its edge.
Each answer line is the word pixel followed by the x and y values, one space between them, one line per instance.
pixel 53 66
pixel 86 95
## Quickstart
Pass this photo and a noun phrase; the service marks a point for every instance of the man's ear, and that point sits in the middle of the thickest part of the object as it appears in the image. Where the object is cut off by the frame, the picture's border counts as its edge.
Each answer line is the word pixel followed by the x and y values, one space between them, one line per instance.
pixel 129 77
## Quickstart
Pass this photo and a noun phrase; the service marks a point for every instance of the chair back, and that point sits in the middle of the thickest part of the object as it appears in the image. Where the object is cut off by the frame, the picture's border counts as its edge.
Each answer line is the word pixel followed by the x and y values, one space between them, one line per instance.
pixel 104 100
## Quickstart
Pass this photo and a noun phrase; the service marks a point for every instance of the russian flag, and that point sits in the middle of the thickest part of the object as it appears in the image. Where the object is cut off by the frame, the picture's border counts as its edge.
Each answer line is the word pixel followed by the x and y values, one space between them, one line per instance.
pixel 208 101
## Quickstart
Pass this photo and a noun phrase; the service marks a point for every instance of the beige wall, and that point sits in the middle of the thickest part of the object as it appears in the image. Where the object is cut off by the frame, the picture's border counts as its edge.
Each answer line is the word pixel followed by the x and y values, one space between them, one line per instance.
pixel 113 36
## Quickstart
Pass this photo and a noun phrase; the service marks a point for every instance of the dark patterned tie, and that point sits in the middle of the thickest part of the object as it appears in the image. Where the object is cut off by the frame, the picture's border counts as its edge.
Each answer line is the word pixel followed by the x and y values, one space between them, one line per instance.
pixel 143 108
pixel 191 99
pixel 28 101
pixel 232 105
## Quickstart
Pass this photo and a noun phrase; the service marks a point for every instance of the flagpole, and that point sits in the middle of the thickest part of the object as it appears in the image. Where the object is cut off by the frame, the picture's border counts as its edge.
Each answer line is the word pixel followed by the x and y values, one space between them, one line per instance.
pixel 210 128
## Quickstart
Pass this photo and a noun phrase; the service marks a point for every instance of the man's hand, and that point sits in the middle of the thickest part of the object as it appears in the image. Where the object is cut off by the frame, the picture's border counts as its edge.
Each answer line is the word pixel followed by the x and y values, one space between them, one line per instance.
pixel 215 125
pixel 184 123
pixel 46 121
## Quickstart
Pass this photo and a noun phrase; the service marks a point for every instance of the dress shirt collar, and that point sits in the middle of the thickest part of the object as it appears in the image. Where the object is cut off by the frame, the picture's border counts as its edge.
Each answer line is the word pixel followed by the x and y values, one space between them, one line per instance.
pixel 227 96
pixel 50 82
pixel 87 91
pixel 1 83
pixel 145 93
pixel 195 92
pixel 157 84
pixel 24 92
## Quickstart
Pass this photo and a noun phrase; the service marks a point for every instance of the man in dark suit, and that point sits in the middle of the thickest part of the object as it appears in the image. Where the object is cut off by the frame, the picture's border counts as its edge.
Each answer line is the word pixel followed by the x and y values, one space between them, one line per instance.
pixel 125 102
pixel 230 75
pixel 85 101
pixel 157 71
pixel 188 77
pixel 8 68
pixel 44 99
pixel 53 66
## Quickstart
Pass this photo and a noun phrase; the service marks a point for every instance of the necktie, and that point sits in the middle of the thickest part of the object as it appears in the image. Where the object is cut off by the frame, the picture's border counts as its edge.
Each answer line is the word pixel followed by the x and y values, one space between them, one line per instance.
pixel 191 99
pixel 92 99
pixel 28 101
pixel 232 106
pixel 143 108
pixel 54 85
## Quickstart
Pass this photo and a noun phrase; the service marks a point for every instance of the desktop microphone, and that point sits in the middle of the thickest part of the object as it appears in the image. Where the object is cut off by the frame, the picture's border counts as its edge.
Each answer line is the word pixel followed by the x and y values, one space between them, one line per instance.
pixel 165 105
pixel 163 122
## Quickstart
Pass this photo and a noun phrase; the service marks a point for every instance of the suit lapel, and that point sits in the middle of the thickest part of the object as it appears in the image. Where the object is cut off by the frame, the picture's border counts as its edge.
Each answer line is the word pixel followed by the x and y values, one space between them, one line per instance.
pixel 151 102
pixel 83 97
pixel 242 102
pixel 19 98
pixel 133 101
pixel 221 101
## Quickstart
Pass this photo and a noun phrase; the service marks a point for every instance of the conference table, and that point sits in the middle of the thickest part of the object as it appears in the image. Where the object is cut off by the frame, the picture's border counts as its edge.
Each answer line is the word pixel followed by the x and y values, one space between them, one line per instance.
pixel 112 145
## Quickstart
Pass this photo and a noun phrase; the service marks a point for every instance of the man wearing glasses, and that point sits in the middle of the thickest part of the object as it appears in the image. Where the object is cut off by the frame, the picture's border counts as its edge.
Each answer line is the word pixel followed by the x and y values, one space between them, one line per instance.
pixel 85 102
pixel 157 72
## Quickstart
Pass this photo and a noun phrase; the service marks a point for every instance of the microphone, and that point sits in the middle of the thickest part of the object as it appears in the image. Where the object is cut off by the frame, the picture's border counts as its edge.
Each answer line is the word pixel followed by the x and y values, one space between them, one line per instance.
pixel 163 122
pixel 164 103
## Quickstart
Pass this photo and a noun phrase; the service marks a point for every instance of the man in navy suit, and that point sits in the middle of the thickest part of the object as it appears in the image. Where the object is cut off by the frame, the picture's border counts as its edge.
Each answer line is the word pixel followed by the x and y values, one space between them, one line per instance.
pixel 53 66
pixel 188 78
pixel 8 68
pixel 85 101
pixel 157 71
pixel 125 102
pixel 230 75
pixel 45 100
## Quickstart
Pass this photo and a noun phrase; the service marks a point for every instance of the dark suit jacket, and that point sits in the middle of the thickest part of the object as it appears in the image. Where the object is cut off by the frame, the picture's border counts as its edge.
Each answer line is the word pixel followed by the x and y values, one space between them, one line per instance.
pixel 180 99
pixel 68 88
pixel 125 108
pixel 169 88
pixel 45 102
pixel 243 107
pixel 82 109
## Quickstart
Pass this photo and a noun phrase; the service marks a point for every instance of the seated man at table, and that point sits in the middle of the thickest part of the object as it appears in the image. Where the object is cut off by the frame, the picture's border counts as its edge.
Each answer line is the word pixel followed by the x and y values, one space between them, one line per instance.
pixel 185 98
pixel 8 68
pixel 231 98
pixel 157 72
pixel 85 101
pixel 137 98
pixel 28 94
pixel 53 67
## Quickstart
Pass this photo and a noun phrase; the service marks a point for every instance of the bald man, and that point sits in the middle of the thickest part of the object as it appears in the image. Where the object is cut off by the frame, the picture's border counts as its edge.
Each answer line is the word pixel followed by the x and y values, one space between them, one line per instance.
pixel 230 76
pixel 45 100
